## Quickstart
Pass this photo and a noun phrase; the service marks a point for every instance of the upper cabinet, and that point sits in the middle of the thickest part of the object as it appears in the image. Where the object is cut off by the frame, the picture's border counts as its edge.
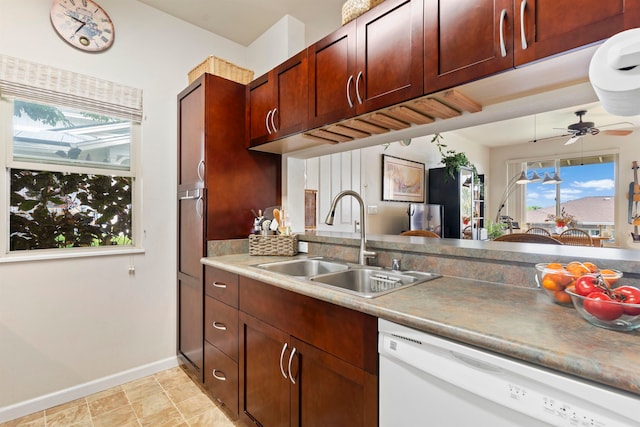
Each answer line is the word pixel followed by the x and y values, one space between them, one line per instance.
pixel 370 63
pixel 466 40
pixel 547 27
pixel 277 101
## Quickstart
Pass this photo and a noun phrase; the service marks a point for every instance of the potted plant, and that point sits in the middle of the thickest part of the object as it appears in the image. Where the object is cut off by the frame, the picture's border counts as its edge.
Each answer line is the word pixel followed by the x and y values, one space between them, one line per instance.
pixel 453 160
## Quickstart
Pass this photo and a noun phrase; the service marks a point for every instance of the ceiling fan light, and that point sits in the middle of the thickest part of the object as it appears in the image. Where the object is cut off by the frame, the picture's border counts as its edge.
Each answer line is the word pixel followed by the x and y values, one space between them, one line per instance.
pixel 522 179
pixel 535 177
pixel 547 179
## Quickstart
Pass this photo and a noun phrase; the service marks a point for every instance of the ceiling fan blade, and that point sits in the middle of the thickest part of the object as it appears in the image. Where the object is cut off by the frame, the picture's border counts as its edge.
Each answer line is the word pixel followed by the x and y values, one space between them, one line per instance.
pixel 616 124
pixel 618 132
pixel 551 137
pixel 572 139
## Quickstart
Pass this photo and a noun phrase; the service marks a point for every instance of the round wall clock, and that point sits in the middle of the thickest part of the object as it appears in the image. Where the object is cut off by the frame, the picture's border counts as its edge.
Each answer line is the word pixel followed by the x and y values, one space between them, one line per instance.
pixel 82 24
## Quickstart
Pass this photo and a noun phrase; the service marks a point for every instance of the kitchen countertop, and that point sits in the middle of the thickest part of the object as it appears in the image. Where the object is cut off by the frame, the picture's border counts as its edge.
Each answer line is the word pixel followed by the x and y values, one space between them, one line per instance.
pixel 510 320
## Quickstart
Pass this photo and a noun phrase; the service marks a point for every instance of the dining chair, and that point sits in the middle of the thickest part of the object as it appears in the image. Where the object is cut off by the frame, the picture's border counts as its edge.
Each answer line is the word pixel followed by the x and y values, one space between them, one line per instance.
pixel 538 230
pixel 575 237
pixel 421 233
pixel 527 238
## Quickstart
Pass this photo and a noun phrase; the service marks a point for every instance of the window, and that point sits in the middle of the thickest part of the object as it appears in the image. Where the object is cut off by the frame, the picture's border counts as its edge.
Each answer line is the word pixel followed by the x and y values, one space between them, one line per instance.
pixel 70 160
pixel 586 192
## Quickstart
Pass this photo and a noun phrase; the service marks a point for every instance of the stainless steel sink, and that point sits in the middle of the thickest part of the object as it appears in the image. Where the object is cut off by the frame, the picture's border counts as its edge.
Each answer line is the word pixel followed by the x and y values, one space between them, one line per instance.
pixel 367 282
pixel 304 268
pixel 372 282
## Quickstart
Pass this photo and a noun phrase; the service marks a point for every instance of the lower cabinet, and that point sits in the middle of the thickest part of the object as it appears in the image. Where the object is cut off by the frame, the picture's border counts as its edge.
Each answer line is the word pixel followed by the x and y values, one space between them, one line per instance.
pixel 299 366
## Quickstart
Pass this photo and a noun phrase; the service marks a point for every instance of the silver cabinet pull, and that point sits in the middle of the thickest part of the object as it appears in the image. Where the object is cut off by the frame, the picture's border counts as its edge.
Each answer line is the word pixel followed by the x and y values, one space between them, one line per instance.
pixel 199 206
pixel 266 122
pixel 273 124
pixel 523 35
pixel 503 49
pixel 293 381
pixel 358 87
pixel 349 91
pixel 219 326
pixel 284 348
pixel 220 285
pixel 219 377
pixel 200 175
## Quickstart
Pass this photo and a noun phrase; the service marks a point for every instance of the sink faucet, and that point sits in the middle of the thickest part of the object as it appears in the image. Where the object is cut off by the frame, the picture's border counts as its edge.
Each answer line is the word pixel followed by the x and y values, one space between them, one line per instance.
pixel 364 253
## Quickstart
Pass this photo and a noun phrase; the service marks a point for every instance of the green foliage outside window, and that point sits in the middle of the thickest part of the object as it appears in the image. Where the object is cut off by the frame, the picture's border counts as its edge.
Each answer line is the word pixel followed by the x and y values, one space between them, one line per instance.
pixel 62 210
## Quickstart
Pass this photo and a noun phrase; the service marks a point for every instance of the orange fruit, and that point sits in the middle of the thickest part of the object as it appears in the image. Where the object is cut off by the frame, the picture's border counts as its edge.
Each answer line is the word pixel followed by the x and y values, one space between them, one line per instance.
pixel 591 266
pixel 550 284
pixel 559 278
pixel 562 297
pixel 609 276
pixel 577 268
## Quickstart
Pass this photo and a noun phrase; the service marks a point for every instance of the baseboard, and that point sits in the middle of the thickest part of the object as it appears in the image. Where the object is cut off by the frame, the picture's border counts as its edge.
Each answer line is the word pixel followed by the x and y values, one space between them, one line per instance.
pixel 27 407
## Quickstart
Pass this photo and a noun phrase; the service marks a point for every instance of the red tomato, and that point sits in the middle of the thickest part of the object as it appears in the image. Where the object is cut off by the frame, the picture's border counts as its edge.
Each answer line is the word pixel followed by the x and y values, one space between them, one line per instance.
pixel 587 284
pixel 601 306
pixel 628 295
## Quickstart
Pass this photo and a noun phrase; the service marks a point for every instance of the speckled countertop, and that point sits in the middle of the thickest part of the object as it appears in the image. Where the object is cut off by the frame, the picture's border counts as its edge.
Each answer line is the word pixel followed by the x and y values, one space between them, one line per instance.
pixel 514 321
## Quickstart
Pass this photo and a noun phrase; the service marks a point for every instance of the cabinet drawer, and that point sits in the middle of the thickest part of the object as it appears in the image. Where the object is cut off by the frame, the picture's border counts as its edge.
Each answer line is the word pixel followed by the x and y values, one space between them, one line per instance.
pixel 221 378
pixel 221 285
pixel 221 326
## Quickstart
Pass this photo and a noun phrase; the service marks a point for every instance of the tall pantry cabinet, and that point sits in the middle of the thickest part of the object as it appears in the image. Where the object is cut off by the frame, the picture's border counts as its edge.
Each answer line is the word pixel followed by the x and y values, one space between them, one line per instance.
pixel 219 182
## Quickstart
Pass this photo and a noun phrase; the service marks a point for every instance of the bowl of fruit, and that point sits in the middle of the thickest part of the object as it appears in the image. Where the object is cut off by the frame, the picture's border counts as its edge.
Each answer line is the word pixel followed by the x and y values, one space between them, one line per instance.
pixel 606 306
pixel 554 278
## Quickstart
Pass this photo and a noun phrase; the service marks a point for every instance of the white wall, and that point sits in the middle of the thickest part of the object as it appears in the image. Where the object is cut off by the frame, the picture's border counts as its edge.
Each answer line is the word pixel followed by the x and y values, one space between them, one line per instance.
pixel 627 147
pixel 280 42
pixel 68 322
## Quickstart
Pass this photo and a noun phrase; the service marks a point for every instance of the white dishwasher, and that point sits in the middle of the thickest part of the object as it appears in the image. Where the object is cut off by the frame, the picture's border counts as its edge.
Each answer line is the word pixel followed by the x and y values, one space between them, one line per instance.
pixel 431 381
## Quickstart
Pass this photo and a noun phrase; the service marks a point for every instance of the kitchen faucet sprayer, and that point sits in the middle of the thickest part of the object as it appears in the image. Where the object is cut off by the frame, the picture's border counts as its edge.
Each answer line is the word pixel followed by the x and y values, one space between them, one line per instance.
pixel 364 253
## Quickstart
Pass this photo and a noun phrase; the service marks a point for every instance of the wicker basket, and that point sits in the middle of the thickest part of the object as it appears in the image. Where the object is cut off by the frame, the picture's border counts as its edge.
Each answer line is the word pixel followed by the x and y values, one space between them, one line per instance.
pixel 273 245
pixel 351 9
pixel 221 68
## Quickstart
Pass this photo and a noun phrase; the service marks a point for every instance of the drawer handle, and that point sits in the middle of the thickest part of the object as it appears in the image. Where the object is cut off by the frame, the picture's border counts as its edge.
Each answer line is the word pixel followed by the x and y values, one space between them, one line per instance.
pixel 293 381
pixel 273 124
pixel 219 375
pixel 348 91
pixel 358 87
pixel 523 35
pixel 503 48
pixel 219 285
pixel 220 326
pixel 284 348
pixel 266 122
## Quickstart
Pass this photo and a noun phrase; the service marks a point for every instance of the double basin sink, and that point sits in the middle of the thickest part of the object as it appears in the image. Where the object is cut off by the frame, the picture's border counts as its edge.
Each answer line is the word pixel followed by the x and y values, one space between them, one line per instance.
pixel 364 281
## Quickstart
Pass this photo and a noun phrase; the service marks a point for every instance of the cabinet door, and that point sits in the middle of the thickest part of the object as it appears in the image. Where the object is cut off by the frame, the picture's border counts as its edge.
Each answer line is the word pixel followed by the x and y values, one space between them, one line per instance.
pixel 264 392
pixel 260 106
pixel 389 54
pixel 221 326
pixel 221 285
pixel 547 27
pixel 190 306
pixel 191 138
pixel 464 40
pixel 332 62
pixel 221 378
pixel 191 232
pixel 329 391
pixel 291 82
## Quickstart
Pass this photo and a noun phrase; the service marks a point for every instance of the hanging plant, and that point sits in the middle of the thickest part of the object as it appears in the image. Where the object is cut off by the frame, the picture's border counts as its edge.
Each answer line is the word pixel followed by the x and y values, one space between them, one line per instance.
pixel 452 160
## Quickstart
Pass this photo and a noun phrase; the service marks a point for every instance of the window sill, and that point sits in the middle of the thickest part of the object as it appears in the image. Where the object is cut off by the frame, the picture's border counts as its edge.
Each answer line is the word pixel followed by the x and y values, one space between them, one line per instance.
pixel 49 254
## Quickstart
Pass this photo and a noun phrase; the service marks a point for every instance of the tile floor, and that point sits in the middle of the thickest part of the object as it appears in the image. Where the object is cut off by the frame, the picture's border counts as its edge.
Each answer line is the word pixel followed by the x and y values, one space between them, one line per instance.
pixel 169 398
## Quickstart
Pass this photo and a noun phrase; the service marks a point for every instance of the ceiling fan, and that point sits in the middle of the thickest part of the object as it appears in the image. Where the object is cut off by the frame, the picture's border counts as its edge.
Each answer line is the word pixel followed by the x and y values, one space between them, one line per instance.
pixel 577 130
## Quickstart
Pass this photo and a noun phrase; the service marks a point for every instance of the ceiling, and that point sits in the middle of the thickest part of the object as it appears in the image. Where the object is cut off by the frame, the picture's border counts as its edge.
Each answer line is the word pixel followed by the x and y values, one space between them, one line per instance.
pixel 245 20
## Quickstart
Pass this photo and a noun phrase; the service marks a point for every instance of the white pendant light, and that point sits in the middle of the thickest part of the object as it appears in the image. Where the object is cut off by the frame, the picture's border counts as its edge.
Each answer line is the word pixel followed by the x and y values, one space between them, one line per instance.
pixel 535 177
pixel 522 179
pixel 548 179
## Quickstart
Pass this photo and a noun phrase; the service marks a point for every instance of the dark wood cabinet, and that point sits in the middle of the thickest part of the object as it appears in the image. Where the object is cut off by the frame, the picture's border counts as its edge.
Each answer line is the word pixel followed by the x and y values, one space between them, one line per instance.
pixel 466 40
pixel 305 362
pixel 221 338
pixel 547 27
pixel 277 101
pixel 219 182
pixel 372 62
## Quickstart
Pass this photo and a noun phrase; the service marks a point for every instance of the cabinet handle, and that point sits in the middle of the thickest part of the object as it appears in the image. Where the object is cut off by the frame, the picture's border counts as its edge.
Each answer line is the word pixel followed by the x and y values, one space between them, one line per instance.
pixel 349 91
pixel 284 348
pixel 199 203
pixel 219 285
pixel 503 49
pixel 523 36
pixel 215 374
pixel 358 87
pixel 266 122
pixel 293 381
pixel 273 125
pixel 200 175
pixel 219 326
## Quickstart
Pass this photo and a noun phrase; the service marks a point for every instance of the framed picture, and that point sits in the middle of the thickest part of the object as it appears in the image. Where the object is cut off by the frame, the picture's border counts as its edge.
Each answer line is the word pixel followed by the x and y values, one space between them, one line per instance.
pixel 402 180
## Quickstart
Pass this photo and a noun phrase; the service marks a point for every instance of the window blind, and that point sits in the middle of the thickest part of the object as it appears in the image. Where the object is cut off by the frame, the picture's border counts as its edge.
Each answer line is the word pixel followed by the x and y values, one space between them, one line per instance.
pixel 44 84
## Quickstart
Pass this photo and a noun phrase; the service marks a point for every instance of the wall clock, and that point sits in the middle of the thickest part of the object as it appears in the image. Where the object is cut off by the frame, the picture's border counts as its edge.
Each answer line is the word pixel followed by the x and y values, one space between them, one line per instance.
pixel 82 24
